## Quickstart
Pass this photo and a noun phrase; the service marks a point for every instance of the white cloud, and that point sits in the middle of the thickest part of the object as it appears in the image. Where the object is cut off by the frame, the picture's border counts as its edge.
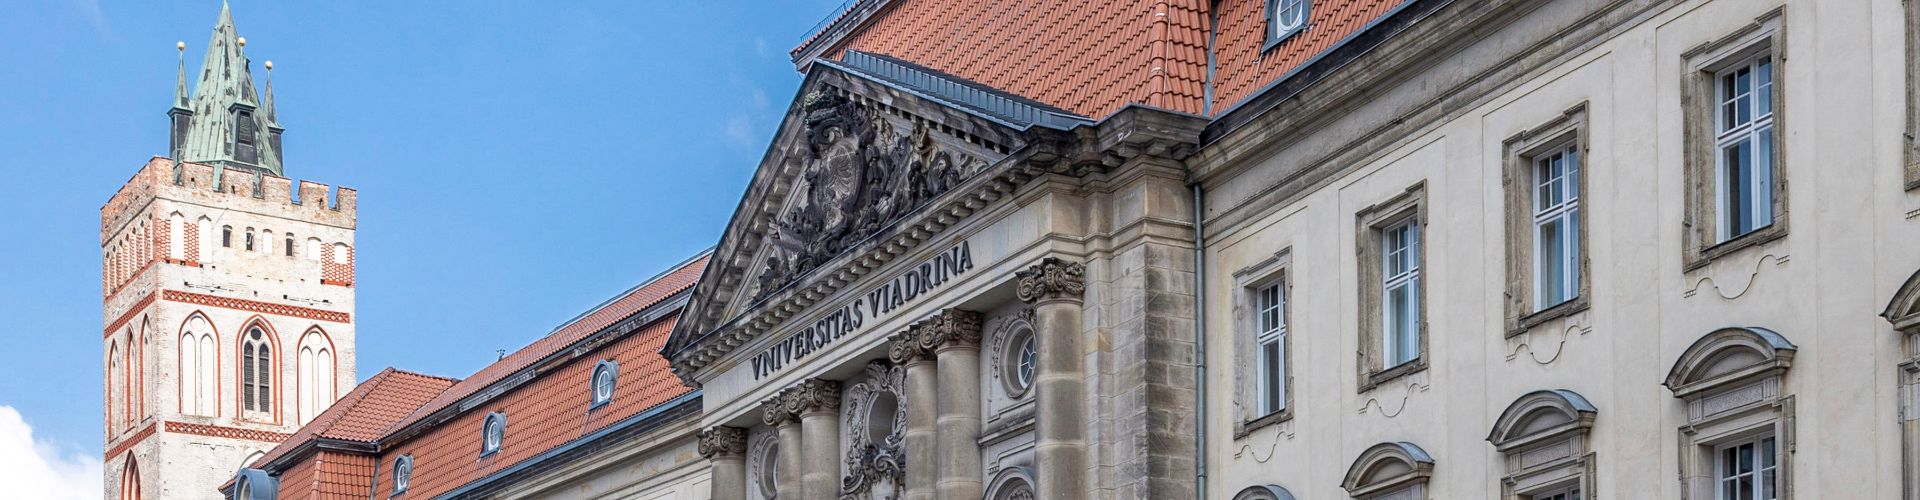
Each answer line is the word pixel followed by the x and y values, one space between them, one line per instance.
pixel 32 468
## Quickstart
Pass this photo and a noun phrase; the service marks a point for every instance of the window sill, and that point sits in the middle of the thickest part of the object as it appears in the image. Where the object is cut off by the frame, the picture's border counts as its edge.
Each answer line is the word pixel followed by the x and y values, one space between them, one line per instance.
pixel 1244 429
pixel 1757 237
pixel 1557 311
pixel 1374 379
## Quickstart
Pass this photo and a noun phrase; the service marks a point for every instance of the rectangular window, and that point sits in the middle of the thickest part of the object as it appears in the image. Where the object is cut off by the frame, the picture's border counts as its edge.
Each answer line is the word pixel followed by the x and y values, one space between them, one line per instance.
pixel 1270 328
pixel 1556 227
pixel 1400 291
pixel 1572 493
pixel 1747 470
pixel 1744 147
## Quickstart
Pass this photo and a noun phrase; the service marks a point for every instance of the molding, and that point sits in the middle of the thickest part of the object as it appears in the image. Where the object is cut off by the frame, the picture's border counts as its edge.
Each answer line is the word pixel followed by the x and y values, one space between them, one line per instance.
pixel 255 306
pixel 220 431
pixel 128 442
pixel 132 311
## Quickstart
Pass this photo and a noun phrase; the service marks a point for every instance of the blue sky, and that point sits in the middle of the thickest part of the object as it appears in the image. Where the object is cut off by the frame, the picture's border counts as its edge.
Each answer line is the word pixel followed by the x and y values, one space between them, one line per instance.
pixel 517 161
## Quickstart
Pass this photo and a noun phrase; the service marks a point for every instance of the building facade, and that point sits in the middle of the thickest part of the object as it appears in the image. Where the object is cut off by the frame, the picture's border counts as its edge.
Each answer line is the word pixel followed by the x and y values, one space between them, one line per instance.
pixel 588 410
pixel 1326 249
pixel 228 291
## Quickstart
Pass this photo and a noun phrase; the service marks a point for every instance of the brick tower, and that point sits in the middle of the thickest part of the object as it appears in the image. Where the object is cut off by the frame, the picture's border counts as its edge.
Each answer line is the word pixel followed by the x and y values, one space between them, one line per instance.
pixel 228 292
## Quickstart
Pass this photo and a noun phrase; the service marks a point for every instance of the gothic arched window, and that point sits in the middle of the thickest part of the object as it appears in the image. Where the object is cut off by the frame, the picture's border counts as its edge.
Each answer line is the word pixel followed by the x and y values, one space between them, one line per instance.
pixel 130 480
pixel 604 375
pixel 316 374
pixel 256 371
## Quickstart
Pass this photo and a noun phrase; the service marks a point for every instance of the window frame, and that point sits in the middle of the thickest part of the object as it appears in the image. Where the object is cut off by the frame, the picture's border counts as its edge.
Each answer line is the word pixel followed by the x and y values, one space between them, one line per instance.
pixel 1705 239
pixel 1566 132
pixel 1408 207
pixel 402 474
pixel 611 369
pixel 1748 130
pixel 257 362
pixel 1731 382
pixel 1720 477
pixel 493 433
pixel 1273 272
pixel 1278 33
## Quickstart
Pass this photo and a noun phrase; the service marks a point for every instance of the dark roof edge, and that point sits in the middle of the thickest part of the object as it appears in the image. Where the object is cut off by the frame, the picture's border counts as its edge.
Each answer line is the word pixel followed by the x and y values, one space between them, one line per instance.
pixel 1006 108
pixel 1353 47
pixel 851 17
pixel 686 406
pixel 631 324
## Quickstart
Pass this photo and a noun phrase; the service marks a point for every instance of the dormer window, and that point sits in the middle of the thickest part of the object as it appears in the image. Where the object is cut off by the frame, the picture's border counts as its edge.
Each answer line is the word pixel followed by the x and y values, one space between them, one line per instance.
pixel 245 149
pixel 492 433
pixel 1284 18
pixel 604 375
pixel 402 473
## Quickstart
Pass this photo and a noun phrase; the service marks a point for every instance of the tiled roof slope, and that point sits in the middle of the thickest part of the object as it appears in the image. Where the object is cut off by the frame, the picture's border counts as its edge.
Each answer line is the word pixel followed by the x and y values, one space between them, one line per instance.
pixel 660 288
pixel 550 411
pixel 1241 68
pixel 368 409
pixel 1090 58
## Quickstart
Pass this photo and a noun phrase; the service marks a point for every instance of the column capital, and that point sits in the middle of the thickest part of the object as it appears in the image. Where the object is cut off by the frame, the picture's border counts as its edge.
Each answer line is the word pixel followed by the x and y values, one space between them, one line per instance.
pixel 904 348
pixel 723 441
pixel 949 329
pixel 773 411
pixel 1052 279
pixel 811 395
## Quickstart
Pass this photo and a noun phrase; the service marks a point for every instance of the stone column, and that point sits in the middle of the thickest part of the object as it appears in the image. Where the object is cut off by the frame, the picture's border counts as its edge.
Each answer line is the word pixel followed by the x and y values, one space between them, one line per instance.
pixel 817 403
pixel 954 337
pixel 1054 287
pixel 775 414
pixel 922 389
pixel 725 448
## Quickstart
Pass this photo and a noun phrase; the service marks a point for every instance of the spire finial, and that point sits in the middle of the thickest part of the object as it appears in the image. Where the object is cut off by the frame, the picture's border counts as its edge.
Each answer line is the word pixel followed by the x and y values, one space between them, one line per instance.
pixel 266 100
pixel 180 82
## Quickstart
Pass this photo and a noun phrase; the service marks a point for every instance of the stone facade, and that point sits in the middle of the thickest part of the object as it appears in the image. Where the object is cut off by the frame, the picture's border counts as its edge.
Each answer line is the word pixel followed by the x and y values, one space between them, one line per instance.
pixel 1391 155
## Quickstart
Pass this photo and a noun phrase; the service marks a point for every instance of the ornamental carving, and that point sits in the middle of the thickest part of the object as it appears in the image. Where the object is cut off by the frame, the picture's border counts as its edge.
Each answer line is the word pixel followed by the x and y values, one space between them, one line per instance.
pixel 904 348
pixel 949 328
pixel 723 441
pixel 1052 279
pixel 773 412
pixel 874 434
pixel 859 175
pixel 811 395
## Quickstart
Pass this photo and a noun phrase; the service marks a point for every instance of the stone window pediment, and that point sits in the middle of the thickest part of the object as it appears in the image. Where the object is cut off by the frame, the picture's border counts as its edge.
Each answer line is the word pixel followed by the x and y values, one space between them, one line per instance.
pixel 1904 310
pixel 1542 436
pixel 1728 357
pixel 1542 416
pixel 1263 492
pixel 1400 470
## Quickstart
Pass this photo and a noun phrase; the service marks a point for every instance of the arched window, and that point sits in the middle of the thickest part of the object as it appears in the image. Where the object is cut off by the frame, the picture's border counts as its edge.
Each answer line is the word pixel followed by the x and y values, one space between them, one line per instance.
pixel 313 249
pixel 127 369
pixel 289 245
pixel 1013 483
pixel 1390 470
pixel 256 372
pixel 1739 419
pixel 1263 492
pixel 402 473
pixel 255 484
pixel 492 433
pixel 1284 18
pixel 113 384
pixel 1544 437
pixel 266 241
pixel 197 366
pixel 249 246
pixel 226 236
pixel 206 240
pixel 130 479
pixel 1020 363
pixel 317 373
pixel 604 374
pixel 341 252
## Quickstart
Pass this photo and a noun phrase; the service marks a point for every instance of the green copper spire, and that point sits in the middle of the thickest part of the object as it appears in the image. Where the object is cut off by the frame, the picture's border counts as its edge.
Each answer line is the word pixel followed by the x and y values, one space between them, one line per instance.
pixel 225 123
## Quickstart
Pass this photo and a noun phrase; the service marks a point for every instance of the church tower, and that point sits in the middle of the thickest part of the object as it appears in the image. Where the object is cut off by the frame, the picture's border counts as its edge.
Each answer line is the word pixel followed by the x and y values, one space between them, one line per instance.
pixel 228 291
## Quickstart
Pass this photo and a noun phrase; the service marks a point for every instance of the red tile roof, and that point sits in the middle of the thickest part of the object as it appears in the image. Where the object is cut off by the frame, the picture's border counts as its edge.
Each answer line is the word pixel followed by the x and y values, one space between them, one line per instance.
pixel 372 406
pixel 1092 58
pixel 660 288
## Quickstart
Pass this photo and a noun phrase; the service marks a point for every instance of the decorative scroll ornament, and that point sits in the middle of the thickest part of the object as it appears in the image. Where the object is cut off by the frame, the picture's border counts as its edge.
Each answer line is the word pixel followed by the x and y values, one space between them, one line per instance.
pixel 876 465
pixel 949 328
pixel 1051 279
pixel 860 176
pixel 811 395
pixel 773 411
pixel 723 441
pixel 904 347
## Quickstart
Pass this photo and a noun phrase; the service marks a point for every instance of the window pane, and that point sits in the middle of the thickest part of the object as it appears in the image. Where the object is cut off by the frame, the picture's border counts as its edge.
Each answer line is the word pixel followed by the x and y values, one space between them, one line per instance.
pixel 1572 173
pixel 1735 209
pixel 1410 340
pixel 1271 377
pixel 1551 265
pixel 1762 174
pixel 1573 253
pixel 1763 95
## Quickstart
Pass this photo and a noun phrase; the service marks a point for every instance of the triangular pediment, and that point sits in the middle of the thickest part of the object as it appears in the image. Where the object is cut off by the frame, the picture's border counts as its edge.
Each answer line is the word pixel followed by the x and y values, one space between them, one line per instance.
pixel 872 154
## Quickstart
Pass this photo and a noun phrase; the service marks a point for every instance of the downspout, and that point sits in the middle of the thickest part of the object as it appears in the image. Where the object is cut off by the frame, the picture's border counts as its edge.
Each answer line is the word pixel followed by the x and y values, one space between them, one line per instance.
pixel 373 486
pixel 1200 279
pixel 1200 341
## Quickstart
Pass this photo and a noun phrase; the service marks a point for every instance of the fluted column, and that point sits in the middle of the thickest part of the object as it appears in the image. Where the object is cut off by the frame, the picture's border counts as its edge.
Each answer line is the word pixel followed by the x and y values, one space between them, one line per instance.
pixel 775 414
pixel 817 403
pixel 954 337
pixel 922 389
pixel 726 451
pixel 1055 287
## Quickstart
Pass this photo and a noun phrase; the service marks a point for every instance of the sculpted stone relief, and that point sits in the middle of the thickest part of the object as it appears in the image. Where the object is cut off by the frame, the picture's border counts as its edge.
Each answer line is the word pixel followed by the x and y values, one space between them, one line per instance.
pixel 873 434
pixel 859 176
